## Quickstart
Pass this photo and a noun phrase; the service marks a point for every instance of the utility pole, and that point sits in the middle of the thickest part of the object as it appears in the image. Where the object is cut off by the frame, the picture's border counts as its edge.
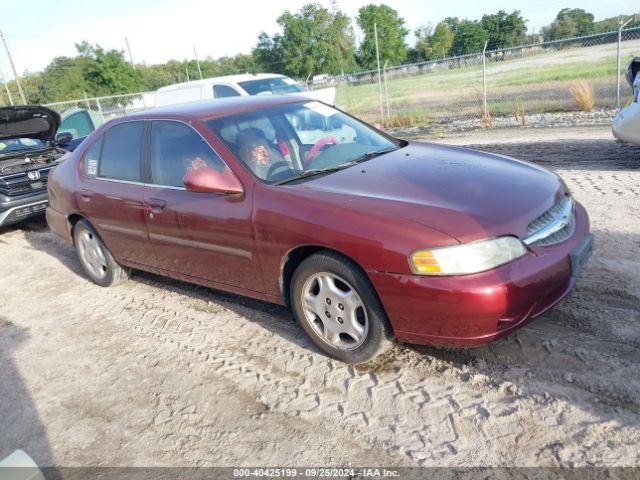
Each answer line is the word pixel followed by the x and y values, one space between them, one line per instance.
pixel 375 35
pixel 13 67
pixel 186 70
pixel 6 87
pixel 622 25
pixel 195 54
pixel 386 91
pixel 485 109
pixel 129 50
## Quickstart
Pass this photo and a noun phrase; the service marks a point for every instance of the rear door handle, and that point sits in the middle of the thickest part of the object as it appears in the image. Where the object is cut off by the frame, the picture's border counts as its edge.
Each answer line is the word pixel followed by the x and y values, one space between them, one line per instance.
pixel 156 205
pixel 86 195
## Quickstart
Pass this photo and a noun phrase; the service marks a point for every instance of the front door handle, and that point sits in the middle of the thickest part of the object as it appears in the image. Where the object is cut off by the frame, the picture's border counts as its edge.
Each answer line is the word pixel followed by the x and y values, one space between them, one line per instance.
pixel 86 195
pixel 156 205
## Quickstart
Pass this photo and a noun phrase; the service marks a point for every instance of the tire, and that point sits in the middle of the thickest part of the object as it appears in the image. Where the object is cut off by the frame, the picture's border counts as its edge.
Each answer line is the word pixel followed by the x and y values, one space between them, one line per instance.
pixel 350 328
pixel 95 258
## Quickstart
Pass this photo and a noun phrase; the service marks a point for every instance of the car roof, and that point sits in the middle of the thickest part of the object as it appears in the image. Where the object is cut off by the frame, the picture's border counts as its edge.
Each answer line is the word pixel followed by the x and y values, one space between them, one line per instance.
pixel 208 109
pixel 243 77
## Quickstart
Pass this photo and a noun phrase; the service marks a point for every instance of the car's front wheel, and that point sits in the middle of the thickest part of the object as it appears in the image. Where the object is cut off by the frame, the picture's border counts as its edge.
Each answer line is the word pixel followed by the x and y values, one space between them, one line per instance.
pixel 338 308
pixel 96 260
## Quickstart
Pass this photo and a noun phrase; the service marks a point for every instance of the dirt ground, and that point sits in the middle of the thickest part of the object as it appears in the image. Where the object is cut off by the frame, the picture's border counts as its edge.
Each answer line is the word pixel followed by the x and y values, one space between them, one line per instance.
pixel 157 372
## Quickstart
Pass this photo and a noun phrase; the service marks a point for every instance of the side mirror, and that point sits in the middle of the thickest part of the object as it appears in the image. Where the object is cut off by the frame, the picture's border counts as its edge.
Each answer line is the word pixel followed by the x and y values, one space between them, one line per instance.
pixel 64 138
pixel 208 180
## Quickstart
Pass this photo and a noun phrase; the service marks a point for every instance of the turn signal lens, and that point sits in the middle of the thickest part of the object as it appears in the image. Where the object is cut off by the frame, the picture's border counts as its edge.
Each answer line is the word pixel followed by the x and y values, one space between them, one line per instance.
pixel 425 262
pixel 468 258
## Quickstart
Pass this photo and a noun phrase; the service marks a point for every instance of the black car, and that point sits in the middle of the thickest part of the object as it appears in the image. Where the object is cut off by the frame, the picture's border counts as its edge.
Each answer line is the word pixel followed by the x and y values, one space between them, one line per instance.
pixel 29 150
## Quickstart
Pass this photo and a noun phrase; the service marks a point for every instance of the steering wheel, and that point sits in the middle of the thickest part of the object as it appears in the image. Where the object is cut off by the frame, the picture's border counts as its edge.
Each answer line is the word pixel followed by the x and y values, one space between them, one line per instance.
pixel 315 150
pixel 276 166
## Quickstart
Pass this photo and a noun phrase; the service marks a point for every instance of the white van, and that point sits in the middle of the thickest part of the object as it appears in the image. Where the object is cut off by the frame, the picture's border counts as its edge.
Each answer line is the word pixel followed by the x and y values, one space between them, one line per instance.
pixel 238 85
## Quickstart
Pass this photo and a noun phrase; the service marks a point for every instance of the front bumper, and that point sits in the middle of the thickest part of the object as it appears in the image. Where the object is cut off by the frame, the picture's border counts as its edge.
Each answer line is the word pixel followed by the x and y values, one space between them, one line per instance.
pixel 19 208
pixel 626 125
pixel 474 309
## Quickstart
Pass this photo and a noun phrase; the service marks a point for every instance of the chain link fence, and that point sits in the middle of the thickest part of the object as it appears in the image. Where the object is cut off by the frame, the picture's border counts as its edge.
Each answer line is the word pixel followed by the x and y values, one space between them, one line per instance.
pixel 109 106
pixel 509 85
pixel 512 86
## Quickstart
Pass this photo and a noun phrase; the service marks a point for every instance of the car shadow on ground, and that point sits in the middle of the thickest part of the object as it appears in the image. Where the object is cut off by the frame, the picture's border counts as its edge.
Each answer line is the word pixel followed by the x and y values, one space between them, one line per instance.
pixel 20 423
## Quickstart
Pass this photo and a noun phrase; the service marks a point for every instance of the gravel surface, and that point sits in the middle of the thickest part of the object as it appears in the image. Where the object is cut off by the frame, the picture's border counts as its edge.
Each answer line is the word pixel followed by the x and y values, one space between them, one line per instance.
pixel 158 372
pixel 557 120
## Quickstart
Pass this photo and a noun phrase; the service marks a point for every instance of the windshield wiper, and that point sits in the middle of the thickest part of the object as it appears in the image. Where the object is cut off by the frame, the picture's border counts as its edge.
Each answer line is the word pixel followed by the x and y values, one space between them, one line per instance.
pixel 370 155
pixel 317 171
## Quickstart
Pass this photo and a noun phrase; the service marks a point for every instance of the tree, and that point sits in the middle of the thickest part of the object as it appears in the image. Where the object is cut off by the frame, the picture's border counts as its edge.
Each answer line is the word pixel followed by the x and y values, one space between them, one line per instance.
pixel 505 30
pixel 106 72
pixel 267 54
pixel 391 34
pixel 432 44
pixel 612 24
pixel 313 41
pixel 569 23
pixel 470 37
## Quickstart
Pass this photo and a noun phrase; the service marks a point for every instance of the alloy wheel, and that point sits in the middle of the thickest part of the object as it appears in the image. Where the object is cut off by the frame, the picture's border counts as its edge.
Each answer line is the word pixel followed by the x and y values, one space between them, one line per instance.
pixel 334 310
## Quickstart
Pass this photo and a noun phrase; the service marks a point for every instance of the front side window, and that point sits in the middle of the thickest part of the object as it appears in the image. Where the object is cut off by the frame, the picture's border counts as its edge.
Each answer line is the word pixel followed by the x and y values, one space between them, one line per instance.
pixel 122 152
pixel 222 91
pixel 284 142
pixel 176 149
pixel 271 86
pixel 78 125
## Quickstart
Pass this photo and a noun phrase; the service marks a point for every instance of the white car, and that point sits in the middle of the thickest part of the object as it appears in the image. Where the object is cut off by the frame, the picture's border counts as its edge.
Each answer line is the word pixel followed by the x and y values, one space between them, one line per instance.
pixel 238 85
pixel 626 125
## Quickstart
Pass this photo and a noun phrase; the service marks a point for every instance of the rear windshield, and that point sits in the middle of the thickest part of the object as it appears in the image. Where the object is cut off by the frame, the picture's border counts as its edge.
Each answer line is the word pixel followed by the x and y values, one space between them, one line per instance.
pixel 271 86
pixel 17 144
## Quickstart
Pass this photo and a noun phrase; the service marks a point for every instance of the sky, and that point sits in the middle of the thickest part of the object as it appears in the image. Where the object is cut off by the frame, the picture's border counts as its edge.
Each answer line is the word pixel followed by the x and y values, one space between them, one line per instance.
pixel 159 30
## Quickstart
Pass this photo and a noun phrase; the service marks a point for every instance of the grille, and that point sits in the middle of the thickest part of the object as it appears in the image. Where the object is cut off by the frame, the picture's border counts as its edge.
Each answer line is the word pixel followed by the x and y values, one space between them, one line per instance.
pixel 541 231
pixel 560 235
pixel 19 184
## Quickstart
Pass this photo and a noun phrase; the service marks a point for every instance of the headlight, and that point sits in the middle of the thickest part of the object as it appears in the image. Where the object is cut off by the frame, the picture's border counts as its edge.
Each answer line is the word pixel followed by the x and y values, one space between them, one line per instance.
pixel 468 258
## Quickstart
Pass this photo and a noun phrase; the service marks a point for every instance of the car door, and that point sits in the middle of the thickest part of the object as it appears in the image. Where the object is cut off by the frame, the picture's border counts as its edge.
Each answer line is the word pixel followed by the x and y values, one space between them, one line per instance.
pixel 79 124
pixel 202 235
pixel 110 191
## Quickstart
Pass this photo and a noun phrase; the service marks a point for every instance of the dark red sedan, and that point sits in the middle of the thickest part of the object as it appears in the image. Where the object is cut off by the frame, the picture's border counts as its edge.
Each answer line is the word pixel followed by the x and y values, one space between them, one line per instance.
pixel 291 201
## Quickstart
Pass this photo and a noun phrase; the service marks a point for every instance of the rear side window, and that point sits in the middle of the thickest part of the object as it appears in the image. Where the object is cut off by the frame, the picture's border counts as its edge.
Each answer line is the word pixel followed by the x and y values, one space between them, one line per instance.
pixel 176 149
pixel 221 91
pixel 122 151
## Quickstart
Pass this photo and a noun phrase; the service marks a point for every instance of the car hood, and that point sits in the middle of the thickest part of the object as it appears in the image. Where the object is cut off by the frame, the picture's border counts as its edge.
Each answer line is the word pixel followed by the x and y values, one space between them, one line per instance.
pixel 467 194
pixel 29 121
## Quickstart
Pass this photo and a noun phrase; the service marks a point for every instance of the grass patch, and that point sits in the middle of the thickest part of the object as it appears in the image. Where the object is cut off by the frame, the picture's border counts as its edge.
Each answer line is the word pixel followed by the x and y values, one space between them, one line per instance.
pixel 447 87
pixel 408 118
pixel 584 95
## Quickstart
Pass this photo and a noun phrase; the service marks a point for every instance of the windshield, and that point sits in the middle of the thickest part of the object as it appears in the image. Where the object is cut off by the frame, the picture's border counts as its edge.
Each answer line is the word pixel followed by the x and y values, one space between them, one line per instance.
pixel 8 145
pixel 271 86
pixel 297 140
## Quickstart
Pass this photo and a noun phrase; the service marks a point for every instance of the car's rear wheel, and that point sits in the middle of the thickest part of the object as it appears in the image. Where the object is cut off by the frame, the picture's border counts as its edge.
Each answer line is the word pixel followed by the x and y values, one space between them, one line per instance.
pixel 94 257
pixel 338 308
